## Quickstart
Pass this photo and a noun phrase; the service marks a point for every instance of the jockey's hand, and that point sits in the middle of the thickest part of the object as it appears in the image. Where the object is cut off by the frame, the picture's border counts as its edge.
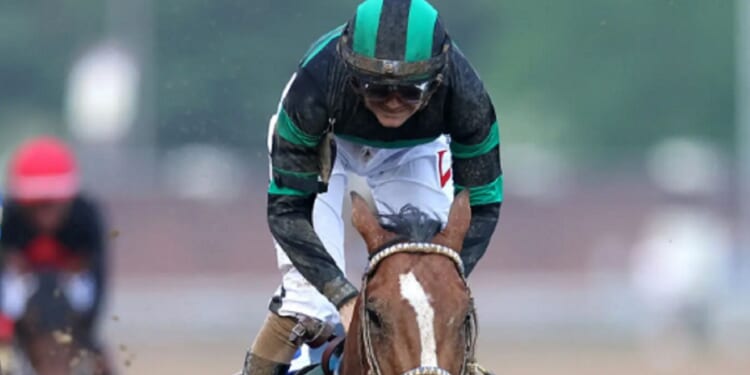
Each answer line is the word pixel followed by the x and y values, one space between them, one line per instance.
pixel 346 312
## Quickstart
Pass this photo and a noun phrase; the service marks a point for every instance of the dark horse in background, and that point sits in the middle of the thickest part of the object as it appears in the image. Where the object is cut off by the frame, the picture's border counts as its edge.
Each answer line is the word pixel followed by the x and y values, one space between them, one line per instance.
pixel 415 314
pixel 50 336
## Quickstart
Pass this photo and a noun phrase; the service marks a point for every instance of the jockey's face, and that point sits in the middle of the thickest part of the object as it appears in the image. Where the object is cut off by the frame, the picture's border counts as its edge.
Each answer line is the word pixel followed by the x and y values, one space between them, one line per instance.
pixel 47 216
pixel 393 111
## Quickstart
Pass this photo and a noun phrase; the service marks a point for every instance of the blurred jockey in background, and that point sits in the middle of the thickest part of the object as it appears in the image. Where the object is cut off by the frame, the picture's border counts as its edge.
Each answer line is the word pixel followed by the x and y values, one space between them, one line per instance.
pixel 49 225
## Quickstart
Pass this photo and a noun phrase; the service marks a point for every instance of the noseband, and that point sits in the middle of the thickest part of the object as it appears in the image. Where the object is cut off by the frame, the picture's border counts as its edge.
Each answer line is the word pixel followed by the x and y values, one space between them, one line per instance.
pixel 470 324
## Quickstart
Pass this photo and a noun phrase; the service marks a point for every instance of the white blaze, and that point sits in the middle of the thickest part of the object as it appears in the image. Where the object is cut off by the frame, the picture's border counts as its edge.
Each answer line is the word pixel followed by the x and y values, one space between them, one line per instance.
pixel 413 292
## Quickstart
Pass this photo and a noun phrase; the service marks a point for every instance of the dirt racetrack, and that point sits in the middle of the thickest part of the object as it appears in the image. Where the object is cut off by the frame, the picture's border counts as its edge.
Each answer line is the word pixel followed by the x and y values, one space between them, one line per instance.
pixel 197 358
pixel 202 326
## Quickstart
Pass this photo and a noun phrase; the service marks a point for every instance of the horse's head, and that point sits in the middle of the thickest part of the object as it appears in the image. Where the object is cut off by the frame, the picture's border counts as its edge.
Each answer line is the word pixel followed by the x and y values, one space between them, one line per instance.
pixel 48 331
pixel 47 308
pixel 415 312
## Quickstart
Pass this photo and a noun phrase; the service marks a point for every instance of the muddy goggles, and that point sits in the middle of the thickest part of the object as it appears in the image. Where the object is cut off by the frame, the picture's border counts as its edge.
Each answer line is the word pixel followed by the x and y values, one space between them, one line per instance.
pixel 379 79
pixel 411 93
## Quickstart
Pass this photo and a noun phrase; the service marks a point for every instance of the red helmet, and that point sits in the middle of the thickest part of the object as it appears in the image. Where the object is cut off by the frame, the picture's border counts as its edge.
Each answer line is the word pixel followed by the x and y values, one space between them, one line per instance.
pixel 43 168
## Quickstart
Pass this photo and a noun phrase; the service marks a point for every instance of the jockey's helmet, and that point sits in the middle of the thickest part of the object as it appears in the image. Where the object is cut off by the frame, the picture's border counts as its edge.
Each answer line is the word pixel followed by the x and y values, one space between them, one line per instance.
pixel 43 168
pixel 394 44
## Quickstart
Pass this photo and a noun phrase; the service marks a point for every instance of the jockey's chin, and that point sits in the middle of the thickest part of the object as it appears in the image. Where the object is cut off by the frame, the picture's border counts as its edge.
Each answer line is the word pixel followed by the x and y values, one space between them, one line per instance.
pixel 391 113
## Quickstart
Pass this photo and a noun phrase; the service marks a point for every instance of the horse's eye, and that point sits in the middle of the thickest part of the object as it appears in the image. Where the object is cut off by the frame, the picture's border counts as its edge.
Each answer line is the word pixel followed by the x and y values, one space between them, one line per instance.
pixel 374 317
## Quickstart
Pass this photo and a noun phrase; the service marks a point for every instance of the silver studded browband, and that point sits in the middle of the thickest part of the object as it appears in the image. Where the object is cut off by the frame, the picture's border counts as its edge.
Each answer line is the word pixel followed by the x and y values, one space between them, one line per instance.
pixel 427 371
pixel 416 247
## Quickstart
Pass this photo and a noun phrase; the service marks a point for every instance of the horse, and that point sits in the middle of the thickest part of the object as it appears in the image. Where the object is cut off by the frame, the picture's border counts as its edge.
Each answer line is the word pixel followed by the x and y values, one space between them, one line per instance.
pixel 414 314
pixel 50 336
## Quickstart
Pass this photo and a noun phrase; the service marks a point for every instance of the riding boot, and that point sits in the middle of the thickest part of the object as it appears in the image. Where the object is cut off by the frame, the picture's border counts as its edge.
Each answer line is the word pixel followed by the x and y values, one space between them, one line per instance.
pixel 273 350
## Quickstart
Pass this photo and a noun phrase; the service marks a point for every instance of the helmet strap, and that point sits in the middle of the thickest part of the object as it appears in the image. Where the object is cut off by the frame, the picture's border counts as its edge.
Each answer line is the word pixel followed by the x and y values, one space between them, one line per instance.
pixel 433 89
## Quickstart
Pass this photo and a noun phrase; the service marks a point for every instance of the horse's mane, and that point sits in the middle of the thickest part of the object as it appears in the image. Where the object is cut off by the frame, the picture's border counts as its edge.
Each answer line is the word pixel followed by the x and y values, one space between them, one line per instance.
pixel 412 223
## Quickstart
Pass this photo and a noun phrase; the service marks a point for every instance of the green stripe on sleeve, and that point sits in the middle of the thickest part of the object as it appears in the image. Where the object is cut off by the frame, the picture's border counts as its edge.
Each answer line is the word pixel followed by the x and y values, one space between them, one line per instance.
pixel 313 175
pixel 291 133
pixel 485 194
pixel 420 31
pixel 462 151
pixel 274 189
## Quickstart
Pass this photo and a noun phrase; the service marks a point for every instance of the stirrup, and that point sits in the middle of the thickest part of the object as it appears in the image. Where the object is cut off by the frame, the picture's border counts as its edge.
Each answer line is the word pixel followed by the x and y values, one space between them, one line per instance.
pixel 313 332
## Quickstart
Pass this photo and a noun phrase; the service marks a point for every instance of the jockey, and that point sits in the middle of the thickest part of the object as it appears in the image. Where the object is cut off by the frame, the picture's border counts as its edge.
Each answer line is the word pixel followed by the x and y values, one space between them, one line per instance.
pixel 48 224
pixel 390 97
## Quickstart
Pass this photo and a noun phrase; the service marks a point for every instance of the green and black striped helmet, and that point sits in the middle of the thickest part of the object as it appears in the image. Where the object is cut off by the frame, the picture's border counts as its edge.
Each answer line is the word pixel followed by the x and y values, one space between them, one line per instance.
pixel 395 40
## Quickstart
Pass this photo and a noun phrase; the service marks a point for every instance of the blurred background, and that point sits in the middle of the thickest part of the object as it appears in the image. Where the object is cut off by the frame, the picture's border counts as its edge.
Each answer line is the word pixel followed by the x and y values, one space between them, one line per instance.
pixel 624 241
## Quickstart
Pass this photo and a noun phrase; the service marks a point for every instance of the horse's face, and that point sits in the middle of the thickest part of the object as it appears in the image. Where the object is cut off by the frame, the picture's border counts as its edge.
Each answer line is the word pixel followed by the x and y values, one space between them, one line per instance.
pixel 47 331
pixel 416 307
pixel 416 304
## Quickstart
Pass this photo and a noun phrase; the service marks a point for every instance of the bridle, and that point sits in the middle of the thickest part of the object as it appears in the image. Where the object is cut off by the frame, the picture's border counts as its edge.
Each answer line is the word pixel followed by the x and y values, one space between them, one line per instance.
pixel 469 365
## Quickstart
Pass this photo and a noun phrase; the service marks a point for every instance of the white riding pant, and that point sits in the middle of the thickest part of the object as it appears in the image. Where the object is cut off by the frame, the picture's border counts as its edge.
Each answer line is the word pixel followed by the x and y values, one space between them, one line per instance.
pixel 419 175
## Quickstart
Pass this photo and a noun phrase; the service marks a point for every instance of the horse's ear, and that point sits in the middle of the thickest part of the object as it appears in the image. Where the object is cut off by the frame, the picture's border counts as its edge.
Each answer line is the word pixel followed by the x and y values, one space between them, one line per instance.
pixel 367 225
pixel 459 219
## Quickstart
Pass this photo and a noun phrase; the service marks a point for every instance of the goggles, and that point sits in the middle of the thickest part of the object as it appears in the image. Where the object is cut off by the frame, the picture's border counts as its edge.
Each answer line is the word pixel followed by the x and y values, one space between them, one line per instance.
pixel 411 93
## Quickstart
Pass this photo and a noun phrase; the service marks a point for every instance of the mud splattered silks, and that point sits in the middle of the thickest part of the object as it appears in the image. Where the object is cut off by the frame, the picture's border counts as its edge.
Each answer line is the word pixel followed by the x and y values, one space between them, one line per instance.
pixel 320 99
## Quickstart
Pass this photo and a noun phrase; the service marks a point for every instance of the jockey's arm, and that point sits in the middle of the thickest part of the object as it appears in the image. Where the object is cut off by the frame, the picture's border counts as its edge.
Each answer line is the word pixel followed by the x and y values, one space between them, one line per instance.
pixel 475 146
pixel 300 127
pixel 11 256
pixel 483 222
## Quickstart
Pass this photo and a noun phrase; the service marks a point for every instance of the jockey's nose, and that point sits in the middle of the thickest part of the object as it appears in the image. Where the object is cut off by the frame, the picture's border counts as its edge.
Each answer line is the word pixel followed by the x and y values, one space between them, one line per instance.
pixel 393 103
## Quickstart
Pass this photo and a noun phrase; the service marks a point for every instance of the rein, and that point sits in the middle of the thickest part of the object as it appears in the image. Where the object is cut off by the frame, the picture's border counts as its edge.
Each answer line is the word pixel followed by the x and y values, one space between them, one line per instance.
pixel 469 366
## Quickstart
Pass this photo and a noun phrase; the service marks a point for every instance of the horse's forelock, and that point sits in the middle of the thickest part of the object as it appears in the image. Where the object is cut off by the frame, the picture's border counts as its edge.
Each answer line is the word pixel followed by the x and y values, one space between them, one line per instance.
pixel 412 223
